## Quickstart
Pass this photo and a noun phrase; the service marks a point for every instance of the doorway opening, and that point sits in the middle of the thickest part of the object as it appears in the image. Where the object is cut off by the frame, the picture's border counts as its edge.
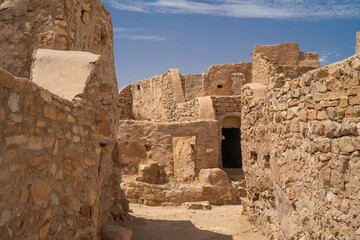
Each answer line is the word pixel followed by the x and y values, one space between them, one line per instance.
pixel 231 148
pixel 231 145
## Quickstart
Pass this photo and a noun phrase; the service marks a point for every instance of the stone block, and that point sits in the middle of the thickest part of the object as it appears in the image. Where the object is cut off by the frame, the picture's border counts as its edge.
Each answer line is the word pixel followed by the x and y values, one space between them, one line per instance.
pixel 6 79
pixel 355 100
pixel 4 217
pixel 197 205
pixel 33 162
pixel 115 232
pixel 346 144
pixel 44 231
pixel 35 143
pixel 355 64
pixel 13 102
pixel 2 115
pixel 213 176
pixel 335 71
pixel 72 68
pixel 17 139
pixel 40 190
pixel 50 113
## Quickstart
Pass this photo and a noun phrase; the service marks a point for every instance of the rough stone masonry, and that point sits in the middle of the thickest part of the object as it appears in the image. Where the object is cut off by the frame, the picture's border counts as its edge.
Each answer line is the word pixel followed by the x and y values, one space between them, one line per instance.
pixel 279 135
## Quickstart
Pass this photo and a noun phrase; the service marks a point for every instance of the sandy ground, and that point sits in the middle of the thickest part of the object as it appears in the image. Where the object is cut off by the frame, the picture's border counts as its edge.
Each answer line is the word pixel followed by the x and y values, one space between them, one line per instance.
pixel 179 223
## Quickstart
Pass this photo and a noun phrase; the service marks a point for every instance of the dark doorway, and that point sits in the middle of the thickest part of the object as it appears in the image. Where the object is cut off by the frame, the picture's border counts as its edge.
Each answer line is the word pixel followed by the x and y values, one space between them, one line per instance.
pixel 231 148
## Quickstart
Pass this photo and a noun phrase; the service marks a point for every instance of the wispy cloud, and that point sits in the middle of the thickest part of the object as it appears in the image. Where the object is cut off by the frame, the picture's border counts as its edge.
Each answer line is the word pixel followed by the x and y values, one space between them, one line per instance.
pixel 136 34
pixel 325 57
pixel 273 9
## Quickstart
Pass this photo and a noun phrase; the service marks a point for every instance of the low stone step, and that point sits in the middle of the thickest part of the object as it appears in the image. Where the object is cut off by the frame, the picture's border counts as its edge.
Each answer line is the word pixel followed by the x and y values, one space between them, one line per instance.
pixel 197 205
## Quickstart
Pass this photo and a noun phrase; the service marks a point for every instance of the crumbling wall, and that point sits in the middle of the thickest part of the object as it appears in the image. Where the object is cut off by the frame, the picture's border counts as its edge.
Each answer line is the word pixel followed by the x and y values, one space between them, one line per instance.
pixel 301 152
pixel 142 142
pixel 125 103
pixel 192 85
pixel 256 145
pixel 217 80
pixel 27 25
pixel 49 161
pixel 272 62
pixel 309 59
pixel 283 53
pixel 156 98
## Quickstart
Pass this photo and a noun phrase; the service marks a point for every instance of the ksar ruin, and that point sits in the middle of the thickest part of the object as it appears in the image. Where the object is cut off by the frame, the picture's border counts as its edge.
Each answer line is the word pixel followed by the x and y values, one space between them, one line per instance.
pixel 279 136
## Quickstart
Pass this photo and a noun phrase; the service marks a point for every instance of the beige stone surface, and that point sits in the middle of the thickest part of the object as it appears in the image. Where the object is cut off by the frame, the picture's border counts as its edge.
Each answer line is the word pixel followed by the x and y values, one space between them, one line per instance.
pixel 213 176
pixel 272 64
pixel 49 147
pixel 142 142
pixel 302 139
pixel 283 53
pixel 192 86
pixel 197 205
pixel 69 165
pixel 64 73
pixel 206 108
pixel 218 78
pixel 184 149
pixel 258 90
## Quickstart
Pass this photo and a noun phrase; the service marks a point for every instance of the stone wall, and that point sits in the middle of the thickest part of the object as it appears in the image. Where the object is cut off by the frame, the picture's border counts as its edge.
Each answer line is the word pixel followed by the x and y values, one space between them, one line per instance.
pixel 176 194
pixel 76 25
pixel 226 104
pixel 50 155
pixel 143 142
pixel 27 25
pixel 192 86
pixel 218 78
pixel 155 98
pixel 187 111
pixel 300 148
pixel 125 103
pixel 272 62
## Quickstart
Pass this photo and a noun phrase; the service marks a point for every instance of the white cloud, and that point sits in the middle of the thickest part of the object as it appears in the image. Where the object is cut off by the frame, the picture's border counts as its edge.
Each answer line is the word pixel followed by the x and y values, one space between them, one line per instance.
pixel 274 9
pixel 136 34
pixel 325 56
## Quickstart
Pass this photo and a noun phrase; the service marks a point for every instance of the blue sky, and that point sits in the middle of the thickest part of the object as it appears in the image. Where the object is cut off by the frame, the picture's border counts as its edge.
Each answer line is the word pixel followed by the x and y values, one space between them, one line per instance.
pixel 152 36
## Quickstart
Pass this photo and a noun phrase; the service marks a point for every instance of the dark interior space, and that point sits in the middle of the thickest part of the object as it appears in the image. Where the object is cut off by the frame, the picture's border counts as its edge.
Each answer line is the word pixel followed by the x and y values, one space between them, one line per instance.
pixel 231 148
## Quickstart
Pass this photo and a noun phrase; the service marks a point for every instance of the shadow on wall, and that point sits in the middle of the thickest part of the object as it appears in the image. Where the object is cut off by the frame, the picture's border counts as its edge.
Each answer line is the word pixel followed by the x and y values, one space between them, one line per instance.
pixel 146 229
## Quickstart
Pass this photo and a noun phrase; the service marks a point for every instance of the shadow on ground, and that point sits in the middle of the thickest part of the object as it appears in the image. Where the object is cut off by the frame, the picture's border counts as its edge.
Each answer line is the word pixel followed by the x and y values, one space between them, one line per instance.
pixel 149 229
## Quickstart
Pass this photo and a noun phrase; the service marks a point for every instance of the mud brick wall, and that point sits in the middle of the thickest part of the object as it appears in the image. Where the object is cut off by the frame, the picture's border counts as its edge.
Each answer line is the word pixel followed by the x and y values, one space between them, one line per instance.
pixel 155 98
pixel 301 155
pixel 143 142
pixel 192 86
pixel 51 151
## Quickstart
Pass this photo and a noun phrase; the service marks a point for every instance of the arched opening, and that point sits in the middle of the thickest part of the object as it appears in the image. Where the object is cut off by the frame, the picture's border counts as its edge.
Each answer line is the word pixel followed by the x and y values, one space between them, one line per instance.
pixel 231 145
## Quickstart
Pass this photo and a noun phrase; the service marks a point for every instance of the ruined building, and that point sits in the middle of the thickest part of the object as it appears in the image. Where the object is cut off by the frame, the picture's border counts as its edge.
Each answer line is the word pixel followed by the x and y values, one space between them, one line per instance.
pixel 280 134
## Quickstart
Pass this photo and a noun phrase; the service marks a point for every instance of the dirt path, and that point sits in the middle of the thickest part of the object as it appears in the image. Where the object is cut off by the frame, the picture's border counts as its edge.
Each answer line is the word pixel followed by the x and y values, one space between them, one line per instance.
pixel 179 223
